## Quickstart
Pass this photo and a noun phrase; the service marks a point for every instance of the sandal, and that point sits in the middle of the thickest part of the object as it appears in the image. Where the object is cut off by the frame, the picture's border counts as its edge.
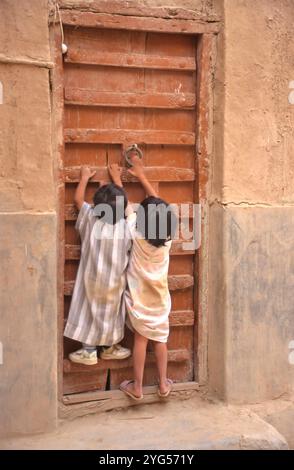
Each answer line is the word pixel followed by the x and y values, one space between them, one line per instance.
pixel 123 387
pixel 167 393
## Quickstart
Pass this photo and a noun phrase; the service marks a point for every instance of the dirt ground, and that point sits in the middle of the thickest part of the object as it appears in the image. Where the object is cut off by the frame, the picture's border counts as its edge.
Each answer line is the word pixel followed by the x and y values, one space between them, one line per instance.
pixel 190 425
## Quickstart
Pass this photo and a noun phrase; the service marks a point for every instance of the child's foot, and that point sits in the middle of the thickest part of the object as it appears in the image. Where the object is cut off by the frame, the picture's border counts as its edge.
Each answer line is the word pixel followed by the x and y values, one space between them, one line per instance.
pixel 115 352
pixel 165 388
pixel 82 356
pixel 128 387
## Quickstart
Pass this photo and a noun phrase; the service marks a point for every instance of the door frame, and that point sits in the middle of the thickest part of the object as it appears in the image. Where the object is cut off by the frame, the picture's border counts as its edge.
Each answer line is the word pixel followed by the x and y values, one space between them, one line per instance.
pixel 164 20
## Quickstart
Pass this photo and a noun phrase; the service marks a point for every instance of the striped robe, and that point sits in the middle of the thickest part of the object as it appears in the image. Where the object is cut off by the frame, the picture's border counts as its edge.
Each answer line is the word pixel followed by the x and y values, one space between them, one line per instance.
pixel 97 311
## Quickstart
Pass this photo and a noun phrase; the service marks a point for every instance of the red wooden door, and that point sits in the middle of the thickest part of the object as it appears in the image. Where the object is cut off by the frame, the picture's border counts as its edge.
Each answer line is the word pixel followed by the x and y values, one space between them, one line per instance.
pixel 122 87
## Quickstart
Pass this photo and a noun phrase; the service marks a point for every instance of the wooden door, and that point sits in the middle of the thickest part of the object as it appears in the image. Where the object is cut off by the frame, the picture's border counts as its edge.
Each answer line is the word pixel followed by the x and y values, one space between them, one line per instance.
pixel 123 87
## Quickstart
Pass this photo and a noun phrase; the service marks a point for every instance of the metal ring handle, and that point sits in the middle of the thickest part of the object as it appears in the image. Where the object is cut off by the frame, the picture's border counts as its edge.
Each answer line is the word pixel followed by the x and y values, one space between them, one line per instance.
pixel 132 148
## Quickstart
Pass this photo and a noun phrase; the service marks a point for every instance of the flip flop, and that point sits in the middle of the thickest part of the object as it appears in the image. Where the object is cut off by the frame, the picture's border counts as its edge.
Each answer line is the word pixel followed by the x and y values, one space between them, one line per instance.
pixel 166 394
pixel 123 388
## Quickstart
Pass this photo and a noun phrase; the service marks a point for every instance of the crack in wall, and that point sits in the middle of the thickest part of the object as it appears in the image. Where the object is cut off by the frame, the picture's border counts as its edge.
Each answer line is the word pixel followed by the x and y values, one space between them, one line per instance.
pixel 249 204
pixel 23 61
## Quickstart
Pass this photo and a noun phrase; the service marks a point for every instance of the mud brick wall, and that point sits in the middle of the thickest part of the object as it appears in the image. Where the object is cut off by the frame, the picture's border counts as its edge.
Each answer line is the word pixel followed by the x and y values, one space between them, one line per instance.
pixel 28 314
pixel 252 204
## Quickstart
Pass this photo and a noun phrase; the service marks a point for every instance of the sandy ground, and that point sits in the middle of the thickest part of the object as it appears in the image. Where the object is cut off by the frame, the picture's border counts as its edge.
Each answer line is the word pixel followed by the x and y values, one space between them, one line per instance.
pixel 191 424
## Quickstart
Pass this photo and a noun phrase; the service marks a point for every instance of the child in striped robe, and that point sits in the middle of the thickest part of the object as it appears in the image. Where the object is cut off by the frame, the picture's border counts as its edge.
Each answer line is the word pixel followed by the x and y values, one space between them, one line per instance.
pixel 97 311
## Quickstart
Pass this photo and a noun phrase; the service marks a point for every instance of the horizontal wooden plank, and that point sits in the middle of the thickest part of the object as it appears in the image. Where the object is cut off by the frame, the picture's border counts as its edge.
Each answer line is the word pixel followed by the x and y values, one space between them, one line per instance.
pixel 81 382
pixel 73 252
pixel 181 318
pixel 125 136
pixel 175 282
pixel 177 318
pixel 115 59
pixel 88 19
pixel 180 282
pixel 82 97
pixel 116 394
pixel 176 355
pixel 178 248
pixel 134 8
pixel 71 212
pixel 155 173
pixel 117 400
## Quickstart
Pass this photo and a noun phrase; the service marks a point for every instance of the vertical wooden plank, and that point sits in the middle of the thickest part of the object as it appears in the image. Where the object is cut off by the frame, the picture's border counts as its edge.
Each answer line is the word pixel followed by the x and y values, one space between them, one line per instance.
pixel 206 59
pixel 58 149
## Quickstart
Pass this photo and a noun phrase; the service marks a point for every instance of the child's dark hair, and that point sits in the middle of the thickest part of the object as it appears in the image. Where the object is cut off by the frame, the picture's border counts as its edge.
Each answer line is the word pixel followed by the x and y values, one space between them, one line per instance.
pixel 110 196
pixel 156 221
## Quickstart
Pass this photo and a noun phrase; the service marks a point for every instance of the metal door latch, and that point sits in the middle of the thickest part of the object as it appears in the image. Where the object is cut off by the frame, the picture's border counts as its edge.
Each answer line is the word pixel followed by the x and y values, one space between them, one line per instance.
pixel 131 149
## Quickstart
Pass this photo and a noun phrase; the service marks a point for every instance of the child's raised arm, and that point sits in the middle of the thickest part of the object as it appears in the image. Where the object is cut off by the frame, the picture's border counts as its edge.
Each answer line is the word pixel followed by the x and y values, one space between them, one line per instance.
pixel 138 171
pixel 115 173
pixel 79 197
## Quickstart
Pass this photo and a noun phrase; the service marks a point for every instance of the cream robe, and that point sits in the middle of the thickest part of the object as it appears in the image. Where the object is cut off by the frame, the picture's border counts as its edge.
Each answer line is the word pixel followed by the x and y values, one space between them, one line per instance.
pixel 147 296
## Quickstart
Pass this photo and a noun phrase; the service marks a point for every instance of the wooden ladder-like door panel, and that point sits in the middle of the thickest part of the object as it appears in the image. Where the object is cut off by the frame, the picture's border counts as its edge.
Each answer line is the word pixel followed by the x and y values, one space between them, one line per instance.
pixel 123 87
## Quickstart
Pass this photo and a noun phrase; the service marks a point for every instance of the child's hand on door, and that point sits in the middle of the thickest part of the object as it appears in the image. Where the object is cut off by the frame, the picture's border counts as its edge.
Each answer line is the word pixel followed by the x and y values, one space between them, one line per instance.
pixel 137 169
pixel 86 173
pixel 115 172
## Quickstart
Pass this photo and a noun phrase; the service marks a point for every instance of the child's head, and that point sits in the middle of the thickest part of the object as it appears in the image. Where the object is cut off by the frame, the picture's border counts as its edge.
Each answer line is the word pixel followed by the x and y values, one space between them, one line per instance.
pixel 110 202
pixel 156 221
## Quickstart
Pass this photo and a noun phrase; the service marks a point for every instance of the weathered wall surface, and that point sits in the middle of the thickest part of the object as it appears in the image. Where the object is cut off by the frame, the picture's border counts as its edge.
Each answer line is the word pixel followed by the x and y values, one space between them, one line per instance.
pixel 24 30
pixel 28 318
pixel 27 222
pixel 259 133
pixel 252 301
pixel 26 176
pixel 203 7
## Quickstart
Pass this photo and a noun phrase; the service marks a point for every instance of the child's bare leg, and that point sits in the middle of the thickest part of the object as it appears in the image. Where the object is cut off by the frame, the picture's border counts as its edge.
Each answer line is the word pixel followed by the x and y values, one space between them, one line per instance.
pixel 160 350
pixel 139 356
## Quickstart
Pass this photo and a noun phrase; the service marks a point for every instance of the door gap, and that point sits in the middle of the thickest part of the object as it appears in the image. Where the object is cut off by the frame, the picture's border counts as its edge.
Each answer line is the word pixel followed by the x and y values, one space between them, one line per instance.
pixel 108 380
